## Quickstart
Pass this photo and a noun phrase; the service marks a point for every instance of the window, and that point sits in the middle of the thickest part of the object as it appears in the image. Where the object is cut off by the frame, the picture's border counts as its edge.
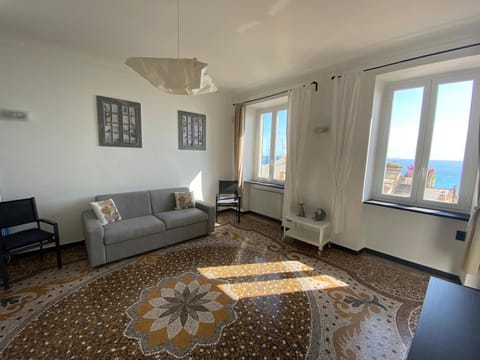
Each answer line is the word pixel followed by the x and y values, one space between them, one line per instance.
pixel 426 154
pixel 272 140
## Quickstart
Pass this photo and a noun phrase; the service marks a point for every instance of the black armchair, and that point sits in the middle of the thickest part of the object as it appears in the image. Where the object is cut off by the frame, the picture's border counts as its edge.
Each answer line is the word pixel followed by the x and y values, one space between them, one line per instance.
pixel 23 212
pixel 228 196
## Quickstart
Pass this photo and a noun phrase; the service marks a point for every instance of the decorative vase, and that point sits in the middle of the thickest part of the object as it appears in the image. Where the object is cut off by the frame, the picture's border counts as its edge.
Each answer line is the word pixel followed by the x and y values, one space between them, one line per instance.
pixel 301 210
pixel 320 215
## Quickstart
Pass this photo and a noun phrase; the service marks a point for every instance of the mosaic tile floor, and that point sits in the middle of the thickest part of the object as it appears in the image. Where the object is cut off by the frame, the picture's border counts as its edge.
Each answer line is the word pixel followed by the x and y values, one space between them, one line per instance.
pixel 241 292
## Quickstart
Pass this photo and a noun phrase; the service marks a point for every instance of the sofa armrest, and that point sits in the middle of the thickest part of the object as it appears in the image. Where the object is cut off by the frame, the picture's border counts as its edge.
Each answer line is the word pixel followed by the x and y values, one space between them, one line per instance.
pixel 210 210
pixel 93 232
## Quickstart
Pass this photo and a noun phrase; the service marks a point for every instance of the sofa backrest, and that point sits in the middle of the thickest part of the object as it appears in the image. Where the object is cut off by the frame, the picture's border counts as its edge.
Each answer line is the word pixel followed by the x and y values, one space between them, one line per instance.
pixel 130 204
pixel 163 199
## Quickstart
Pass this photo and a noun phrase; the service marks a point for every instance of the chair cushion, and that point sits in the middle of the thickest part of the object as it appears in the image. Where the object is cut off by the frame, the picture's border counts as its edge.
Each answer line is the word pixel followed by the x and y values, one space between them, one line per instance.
pixel 132 228
pixel 183 217
pixel 227 200
pixel 25 237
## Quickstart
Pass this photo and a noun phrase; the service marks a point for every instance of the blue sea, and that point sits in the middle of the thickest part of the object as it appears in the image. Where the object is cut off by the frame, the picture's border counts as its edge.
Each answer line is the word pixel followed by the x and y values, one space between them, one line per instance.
pixel 447 172
pixel 266 158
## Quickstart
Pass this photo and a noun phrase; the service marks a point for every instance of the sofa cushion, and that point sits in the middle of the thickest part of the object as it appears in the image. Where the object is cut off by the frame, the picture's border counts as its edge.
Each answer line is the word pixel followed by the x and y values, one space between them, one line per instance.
pixel 106 211
pixel 132 228
pixel 183 217
pixel 184 200
pixel 130 204
pixel 163 199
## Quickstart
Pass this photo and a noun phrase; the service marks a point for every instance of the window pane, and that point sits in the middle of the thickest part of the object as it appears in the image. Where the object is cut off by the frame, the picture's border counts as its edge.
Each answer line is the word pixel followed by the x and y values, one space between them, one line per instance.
pixel 280 146
pixel 402 141
pixel 265 139
pixel 452 115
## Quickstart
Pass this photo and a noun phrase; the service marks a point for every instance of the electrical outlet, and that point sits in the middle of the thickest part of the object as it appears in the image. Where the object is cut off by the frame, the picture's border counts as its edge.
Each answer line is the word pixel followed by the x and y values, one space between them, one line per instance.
pixel 460 235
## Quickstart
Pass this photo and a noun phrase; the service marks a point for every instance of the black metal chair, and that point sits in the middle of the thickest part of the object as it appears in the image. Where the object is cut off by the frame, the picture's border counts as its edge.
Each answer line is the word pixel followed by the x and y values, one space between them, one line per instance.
pixel 23 212
pixel 228 196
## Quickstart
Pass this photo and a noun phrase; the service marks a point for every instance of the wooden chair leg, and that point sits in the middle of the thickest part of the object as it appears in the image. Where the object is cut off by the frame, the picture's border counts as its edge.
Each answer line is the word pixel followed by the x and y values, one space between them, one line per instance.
pixel 3 270
pixel 41 251
pixel 57 249
pixel 239 207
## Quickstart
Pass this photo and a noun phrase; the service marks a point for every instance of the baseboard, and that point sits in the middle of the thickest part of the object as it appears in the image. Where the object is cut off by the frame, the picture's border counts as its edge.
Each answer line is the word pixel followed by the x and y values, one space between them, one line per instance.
pixel 47 248
pixel 351 251
pixel 245 212
pixel 72 244
pixel 262 215
pixel 451 277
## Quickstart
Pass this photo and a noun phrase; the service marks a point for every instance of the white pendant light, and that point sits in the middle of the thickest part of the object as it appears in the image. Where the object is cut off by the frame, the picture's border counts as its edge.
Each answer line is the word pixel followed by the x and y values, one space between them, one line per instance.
pixel 181 76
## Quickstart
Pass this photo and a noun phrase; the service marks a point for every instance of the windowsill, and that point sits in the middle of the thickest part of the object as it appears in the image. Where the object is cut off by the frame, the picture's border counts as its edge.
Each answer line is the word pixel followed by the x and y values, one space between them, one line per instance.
pixel 440 213
pixel 264 183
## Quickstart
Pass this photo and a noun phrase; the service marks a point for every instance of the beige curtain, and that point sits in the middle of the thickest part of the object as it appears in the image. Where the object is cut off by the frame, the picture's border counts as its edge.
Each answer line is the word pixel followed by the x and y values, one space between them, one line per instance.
pixel 239 142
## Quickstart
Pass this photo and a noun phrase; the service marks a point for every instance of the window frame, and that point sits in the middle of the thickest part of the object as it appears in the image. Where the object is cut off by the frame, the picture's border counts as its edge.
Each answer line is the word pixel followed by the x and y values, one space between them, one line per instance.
pixel 431 85
pixel 258 143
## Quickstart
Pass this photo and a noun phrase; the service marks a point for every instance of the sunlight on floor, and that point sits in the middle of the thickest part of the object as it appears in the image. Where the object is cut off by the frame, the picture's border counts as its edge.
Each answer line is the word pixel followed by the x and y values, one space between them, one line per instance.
pixel 283 286
pixel 270 278
pixel 265 268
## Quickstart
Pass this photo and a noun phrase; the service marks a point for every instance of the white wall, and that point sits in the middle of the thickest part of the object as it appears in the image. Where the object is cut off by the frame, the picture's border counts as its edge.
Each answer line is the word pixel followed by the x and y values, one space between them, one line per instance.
pixel 426 240
pixel 55 156
pixel 316 166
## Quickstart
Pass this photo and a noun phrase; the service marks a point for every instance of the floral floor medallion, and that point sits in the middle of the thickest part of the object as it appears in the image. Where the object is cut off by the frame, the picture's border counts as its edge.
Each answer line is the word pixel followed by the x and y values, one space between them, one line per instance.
pixel 238 293
pixel 180 313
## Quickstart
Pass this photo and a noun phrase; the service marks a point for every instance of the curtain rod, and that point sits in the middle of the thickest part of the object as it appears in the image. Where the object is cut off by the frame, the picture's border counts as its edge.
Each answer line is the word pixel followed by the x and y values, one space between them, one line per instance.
pixel 415 58
pixel 422 56
pixel 276 94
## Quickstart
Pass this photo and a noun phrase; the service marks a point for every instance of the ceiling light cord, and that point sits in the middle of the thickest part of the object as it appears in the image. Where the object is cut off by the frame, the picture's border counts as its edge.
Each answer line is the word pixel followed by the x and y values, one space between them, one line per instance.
pixel 180 76
pixel 178 29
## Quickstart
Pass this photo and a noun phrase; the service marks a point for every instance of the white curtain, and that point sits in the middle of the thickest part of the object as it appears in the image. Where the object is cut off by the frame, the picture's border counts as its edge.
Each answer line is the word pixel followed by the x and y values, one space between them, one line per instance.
pixel 344 119
pixel 297 125
pixel 471 262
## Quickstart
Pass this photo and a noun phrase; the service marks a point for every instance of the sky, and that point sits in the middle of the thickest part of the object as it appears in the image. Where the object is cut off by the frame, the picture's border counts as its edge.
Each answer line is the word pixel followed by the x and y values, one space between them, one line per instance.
pixel 281 140
pixel 452 113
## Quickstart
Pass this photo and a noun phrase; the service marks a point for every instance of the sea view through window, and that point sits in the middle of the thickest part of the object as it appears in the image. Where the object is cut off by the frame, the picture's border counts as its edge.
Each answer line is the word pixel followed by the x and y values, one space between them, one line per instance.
pixel 426 148
pixel 444 175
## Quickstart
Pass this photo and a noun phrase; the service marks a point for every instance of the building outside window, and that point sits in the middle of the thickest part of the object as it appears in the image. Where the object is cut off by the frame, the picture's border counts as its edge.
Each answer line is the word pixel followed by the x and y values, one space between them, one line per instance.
pixel 427 148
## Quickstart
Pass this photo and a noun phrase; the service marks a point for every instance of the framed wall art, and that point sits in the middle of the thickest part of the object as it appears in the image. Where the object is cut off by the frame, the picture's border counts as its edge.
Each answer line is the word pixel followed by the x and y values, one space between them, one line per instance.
pixel 192 131
pixel 119 122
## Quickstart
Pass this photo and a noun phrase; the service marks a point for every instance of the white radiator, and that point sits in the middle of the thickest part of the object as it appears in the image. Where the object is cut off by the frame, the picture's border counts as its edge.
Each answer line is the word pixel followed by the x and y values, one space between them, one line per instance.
pixel 265 200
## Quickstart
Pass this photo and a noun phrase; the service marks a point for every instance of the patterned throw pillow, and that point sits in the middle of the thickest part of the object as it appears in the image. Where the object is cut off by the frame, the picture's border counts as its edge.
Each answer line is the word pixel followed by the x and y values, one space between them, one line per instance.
pixel 184 200
pixel 106 211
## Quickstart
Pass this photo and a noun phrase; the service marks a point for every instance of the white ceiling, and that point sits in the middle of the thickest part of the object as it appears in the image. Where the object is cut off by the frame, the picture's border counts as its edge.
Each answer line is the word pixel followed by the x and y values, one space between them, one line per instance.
pixel 246 43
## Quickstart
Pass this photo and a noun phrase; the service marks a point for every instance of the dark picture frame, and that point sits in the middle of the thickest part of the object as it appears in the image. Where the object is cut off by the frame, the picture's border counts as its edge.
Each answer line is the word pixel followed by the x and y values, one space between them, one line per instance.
pixel 119 122
pixel 192 131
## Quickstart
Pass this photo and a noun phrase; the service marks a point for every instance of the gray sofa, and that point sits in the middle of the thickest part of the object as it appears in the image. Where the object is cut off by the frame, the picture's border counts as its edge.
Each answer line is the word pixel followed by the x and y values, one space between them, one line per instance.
pixel 149 222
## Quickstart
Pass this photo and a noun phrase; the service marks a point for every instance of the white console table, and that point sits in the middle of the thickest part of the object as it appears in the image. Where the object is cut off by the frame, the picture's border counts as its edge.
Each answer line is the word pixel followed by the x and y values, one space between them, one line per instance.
pixel 307 230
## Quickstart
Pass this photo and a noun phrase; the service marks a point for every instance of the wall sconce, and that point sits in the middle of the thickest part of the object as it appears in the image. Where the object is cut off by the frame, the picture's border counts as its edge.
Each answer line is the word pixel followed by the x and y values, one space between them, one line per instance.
pixel 7 114
pixel 321 129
